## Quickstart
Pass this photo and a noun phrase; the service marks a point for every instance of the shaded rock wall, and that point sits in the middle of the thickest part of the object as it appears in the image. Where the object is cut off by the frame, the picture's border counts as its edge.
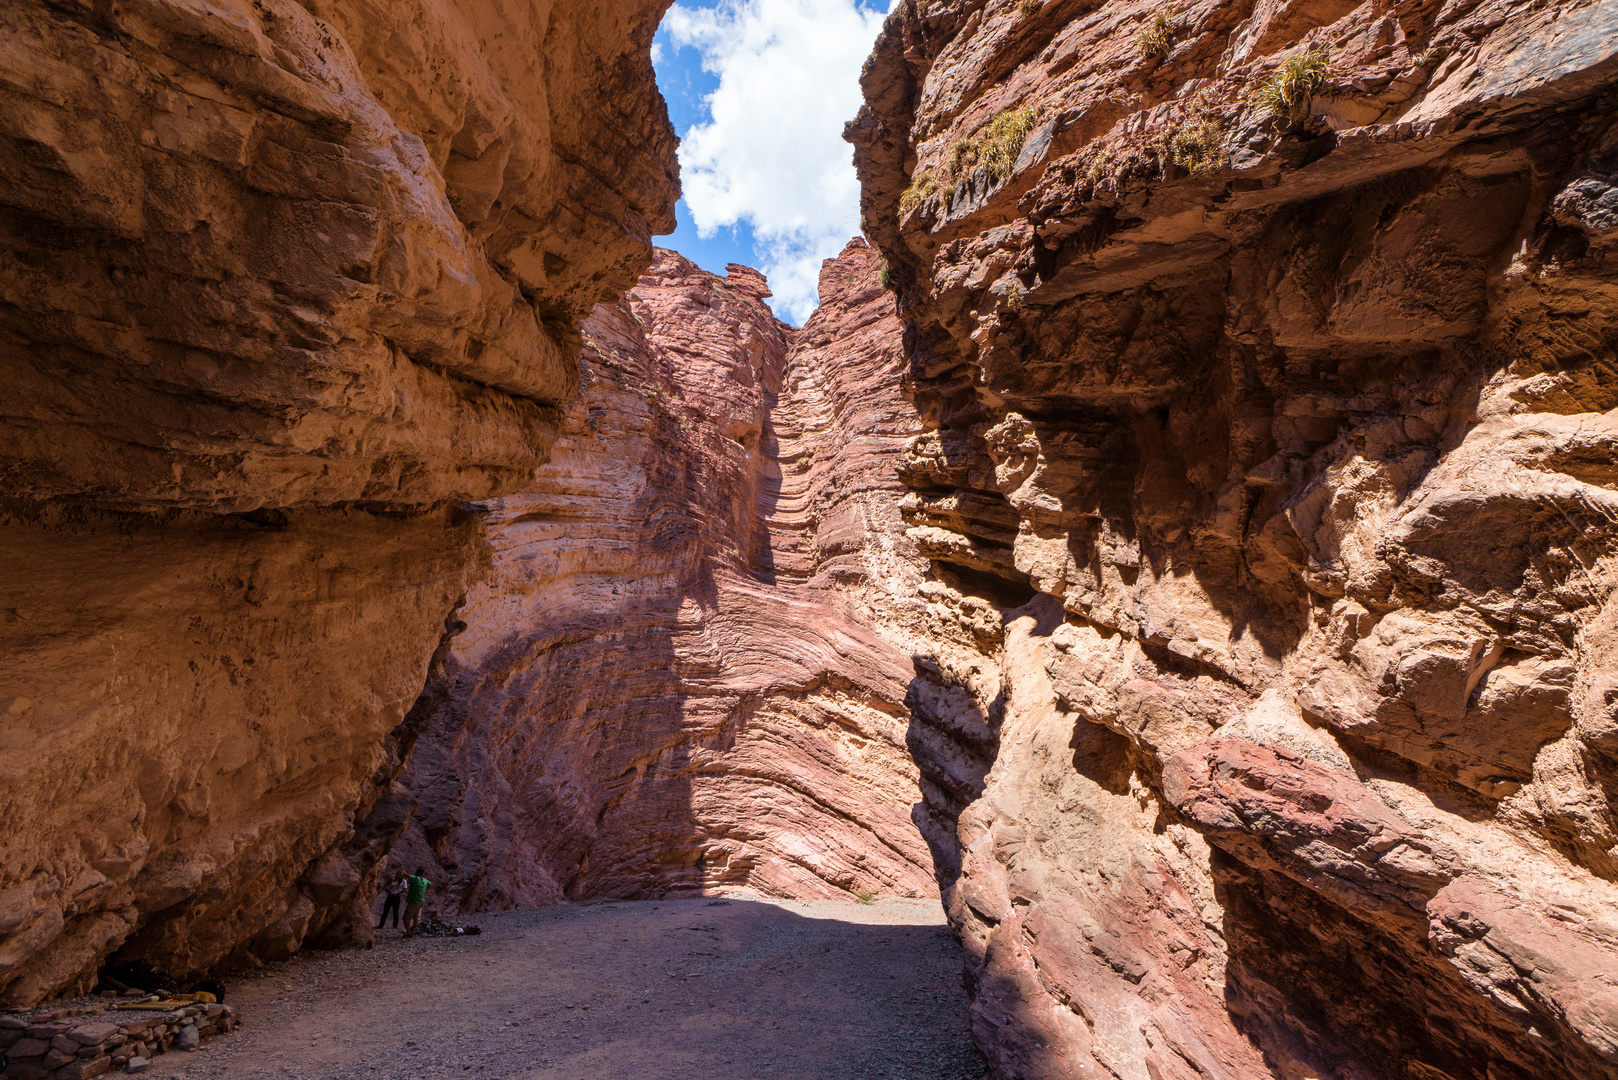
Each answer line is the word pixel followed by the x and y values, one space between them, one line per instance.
pixel 280 283
pixel 688 667
pixel 1267 721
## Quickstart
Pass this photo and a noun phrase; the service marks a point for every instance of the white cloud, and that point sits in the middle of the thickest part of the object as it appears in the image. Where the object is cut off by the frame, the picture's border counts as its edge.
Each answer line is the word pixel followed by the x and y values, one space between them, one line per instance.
pixel 772 154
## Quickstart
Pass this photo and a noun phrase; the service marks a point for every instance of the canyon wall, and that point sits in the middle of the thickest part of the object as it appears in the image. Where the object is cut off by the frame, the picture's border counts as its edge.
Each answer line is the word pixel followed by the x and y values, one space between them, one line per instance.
pixel 1266 354
pixel 281 285
pixel 1239 620
pixel 688 667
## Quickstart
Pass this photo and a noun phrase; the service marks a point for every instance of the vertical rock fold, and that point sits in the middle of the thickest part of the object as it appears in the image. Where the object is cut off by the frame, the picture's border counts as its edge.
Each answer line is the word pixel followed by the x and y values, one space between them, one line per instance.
pixel 688 668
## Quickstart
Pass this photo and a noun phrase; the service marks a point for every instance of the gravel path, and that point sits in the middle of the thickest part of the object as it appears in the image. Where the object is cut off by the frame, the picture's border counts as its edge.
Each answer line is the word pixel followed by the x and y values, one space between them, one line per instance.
pixel 732 989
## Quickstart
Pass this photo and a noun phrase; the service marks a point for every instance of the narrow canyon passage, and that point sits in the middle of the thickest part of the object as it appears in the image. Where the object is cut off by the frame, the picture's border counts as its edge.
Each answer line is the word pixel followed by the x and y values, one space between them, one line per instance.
pixel 735 988
pixel 1184 541
pixel 687 668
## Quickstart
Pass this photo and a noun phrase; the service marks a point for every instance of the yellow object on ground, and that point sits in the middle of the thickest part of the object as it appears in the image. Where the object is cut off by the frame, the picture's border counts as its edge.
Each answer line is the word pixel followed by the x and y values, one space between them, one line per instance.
pixel 174 1002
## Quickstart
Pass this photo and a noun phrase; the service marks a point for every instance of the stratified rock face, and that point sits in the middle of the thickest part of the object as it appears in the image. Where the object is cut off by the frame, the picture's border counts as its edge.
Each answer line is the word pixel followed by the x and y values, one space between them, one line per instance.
pixel 275 254
pixel 1269 726
pixel 689 665
pixel 279 282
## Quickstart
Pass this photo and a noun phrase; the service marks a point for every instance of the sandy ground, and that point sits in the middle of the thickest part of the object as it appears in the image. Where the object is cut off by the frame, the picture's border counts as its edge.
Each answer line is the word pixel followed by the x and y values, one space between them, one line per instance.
pixel 729 989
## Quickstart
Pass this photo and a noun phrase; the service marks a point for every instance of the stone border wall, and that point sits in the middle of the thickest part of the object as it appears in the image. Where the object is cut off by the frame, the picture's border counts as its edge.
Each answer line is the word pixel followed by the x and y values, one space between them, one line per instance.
pixel 73 1048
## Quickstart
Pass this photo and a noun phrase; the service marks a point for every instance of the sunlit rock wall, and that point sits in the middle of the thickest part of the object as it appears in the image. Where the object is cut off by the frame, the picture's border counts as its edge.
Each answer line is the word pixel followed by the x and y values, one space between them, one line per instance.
pixel 688 668
pixel 1267 727
pixel 280 284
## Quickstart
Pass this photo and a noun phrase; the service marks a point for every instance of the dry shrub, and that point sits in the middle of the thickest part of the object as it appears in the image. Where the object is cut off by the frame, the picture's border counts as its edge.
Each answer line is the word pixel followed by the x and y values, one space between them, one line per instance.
pixel 1156 37
pixel 994 147
pixel 999 142
pixel 1197 146
pixel 1099 163
pixel 1286 93
pixel 921 185
pixel 963 155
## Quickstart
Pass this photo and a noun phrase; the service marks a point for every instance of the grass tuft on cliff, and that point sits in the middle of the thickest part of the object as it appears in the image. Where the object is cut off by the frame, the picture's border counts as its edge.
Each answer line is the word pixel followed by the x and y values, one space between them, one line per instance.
pixel 1286 93
pixel 1198 146
pixel 1098 164
pixel 1156 38
pixel 922 185
pixel 1025 8
pixel 1001 140
pixel 962 155
pixel 995 145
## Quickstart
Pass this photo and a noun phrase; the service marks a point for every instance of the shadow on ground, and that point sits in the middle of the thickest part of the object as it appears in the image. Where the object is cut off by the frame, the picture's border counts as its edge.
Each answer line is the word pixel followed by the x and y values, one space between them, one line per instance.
pixel 721 989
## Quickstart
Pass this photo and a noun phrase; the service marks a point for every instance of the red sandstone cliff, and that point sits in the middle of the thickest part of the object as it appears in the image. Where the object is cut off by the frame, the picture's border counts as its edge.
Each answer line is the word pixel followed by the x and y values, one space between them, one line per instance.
pixel 688 667
pixel 1267 358
pixel 280 284
pixel 1261 696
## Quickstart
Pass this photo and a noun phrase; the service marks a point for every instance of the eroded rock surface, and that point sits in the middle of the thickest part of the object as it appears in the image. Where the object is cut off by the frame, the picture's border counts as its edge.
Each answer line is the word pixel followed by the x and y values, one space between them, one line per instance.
pixel 280 284
pixel 688 668
pixel 1267 728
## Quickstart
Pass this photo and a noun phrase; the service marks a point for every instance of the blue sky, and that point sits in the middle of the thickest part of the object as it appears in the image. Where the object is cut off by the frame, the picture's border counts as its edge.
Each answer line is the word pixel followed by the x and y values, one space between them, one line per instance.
pixel 684 85
pixel 758 91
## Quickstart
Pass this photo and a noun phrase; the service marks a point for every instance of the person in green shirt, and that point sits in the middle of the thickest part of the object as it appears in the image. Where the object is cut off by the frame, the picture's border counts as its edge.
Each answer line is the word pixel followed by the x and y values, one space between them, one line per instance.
pixel 415 897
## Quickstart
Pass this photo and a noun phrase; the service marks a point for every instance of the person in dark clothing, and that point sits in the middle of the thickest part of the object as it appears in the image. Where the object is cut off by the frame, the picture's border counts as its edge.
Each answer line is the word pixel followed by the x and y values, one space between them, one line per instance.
pixel 396 893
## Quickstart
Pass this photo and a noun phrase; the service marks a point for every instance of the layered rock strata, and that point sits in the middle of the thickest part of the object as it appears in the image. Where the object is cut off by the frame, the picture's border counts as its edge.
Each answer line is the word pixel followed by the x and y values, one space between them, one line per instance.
pixel 1268 356
pixel 281 283
pixel 688 667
